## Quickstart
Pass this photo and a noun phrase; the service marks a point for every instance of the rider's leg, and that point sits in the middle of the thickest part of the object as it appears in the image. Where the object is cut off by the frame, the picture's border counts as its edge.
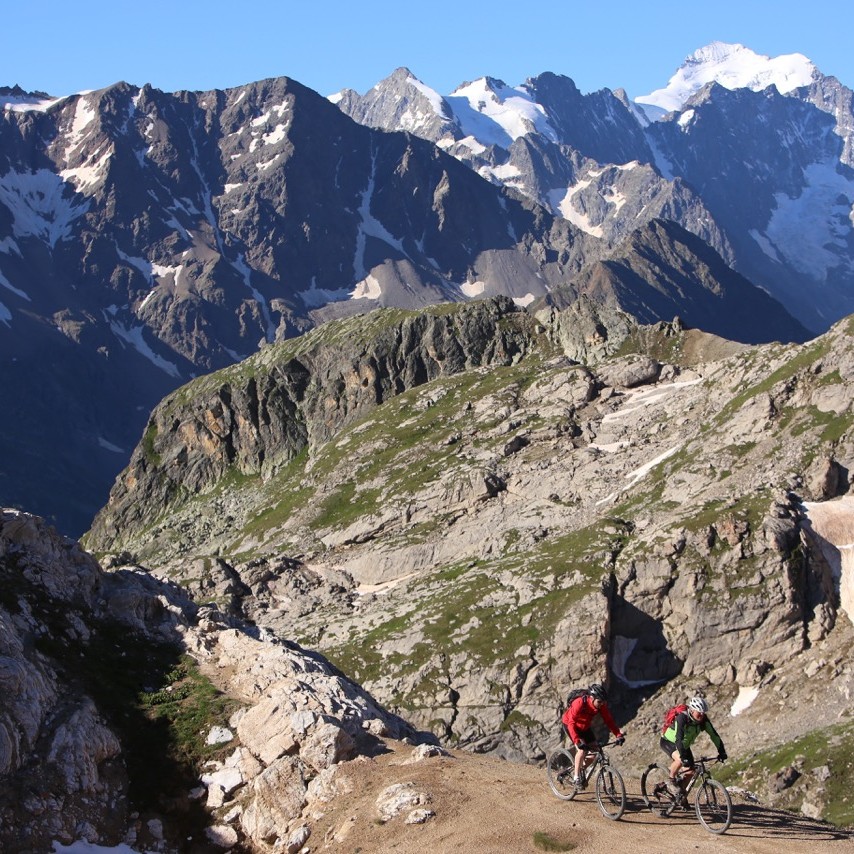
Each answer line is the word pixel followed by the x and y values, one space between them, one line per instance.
pixel 680 773
pixel 580 757
pixel 675 767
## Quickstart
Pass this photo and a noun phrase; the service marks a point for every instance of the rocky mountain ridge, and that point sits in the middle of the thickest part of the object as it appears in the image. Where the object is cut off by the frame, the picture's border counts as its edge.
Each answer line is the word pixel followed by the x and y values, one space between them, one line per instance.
pixel 149 237
pixel 728 120
pixel 635 504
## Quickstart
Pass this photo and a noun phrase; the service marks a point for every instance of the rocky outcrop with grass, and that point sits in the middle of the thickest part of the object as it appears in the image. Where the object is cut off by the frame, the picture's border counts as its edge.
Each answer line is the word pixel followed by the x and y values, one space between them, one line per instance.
pixel 614 501
pixel 253 419
pixel 132 715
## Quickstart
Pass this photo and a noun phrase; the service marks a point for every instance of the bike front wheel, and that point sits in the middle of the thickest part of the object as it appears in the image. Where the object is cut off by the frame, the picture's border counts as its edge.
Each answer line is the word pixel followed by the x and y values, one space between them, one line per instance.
pixel 560 772
pixel 610 792
pixel 654 790
pixel 714 806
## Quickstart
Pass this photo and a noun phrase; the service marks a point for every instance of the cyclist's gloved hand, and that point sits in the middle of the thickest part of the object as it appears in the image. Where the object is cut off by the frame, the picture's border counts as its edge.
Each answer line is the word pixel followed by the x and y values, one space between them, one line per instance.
pixel 722 756
pixel 620 741
pixel 687 763
pixel 580 744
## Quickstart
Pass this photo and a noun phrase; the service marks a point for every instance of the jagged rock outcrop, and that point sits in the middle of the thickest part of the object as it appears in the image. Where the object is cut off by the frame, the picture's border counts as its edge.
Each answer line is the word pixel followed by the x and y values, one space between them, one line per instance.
pixel 72 756
pixel 297 395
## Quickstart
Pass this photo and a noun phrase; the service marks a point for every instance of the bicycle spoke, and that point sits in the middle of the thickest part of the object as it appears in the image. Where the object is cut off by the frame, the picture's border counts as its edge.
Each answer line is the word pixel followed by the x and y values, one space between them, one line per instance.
pixel 655 792
pixel 560 773
pixel 610 792
pixel 714 806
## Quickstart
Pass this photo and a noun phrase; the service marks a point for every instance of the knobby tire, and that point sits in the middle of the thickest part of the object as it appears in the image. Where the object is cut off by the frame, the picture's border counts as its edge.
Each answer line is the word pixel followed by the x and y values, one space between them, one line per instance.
pixel 560 771
pixel 610 792
pixel 714 806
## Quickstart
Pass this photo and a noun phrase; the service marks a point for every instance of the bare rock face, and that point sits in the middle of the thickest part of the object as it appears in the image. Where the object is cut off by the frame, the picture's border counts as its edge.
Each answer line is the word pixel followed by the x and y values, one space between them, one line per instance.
pixel 65 770
pixel 62 774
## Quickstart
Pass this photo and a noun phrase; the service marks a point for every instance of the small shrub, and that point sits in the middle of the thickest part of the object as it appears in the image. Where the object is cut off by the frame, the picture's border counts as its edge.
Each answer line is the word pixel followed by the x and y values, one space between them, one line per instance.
pixel 546 842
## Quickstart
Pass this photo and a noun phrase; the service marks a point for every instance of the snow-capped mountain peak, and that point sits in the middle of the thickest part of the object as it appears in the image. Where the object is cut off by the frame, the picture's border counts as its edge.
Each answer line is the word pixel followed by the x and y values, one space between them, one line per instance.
pixel 733 66
pixel 495 113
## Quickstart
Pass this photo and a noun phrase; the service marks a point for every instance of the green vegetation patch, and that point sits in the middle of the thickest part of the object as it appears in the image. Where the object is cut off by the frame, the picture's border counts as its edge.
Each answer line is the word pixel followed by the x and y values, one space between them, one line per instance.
pixel 547 842
pixel 476 609
pixel 825 754
pixel 807 356
pixel 155 699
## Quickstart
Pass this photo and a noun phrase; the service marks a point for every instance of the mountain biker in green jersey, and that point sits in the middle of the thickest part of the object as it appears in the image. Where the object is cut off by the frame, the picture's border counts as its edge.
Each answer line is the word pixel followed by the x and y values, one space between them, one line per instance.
pixel 678 738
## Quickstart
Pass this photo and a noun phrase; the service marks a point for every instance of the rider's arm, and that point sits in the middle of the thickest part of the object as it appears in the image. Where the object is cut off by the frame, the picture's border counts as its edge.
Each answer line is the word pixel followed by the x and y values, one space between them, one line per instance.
pixel 609 721
pixel 568 720
pixel 713 735
pixel 680 733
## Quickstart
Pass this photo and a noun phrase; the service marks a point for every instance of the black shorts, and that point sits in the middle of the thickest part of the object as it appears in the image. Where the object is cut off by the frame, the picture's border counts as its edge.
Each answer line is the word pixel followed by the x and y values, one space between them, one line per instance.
pixel 587 736
pixel 669 747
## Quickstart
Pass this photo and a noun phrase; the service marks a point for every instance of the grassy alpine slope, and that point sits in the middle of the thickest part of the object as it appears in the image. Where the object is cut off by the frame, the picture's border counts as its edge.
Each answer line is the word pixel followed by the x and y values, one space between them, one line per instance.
pixel 478 538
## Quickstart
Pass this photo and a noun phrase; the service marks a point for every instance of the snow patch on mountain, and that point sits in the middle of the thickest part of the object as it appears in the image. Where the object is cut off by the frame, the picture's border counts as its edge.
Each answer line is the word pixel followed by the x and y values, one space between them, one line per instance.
pixel 134 336
pixel 90 174
pixel 733 66
pixel 412 120
pixel 496 114
pixel 746 695
pixel 8 245
pixel 799 227
pixel 37 204
pixel 368 288
pixel 4 282
pixel 561 201
pixel 84 115
pixel 27 103
pixel 765 245
pixel 473 289
pixel 371 227
pixel 315 297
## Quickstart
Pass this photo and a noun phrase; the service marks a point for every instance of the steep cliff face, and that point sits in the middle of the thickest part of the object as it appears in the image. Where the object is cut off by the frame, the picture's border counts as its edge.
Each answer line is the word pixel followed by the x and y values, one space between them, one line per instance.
pixel 253 419
pixel 474 546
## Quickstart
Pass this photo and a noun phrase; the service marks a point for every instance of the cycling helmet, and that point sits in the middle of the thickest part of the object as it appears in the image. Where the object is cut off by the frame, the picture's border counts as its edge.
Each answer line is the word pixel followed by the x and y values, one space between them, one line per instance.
pixel 598 692
pixel 698 704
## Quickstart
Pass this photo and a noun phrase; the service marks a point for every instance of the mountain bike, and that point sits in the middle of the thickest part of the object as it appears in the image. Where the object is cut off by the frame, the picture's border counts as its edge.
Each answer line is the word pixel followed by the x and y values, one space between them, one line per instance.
pixel 711 800
pixel 610 788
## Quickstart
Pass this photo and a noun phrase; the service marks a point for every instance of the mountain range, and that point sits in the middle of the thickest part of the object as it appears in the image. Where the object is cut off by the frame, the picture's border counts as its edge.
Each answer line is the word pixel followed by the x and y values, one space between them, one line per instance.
pixel 411 431
pixel 751 154
pixel 148 237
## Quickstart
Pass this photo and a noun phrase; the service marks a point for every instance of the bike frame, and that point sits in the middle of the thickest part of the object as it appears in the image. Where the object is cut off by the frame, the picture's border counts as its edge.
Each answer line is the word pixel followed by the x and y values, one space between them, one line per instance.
pixel 712 802
pixel 700 772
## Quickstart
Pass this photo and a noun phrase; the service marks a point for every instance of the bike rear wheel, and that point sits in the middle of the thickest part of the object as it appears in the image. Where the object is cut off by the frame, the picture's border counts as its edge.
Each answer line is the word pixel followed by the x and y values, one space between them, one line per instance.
pixel 610 792
pixel 654 790
pixel 560 772
pixel 714 806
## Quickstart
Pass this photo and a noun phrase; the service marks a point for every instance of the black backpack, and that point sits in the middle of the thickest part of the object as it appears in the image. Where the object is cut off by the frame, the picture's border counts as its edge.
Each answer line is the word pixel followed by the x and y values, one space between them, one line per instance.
pixel 574 695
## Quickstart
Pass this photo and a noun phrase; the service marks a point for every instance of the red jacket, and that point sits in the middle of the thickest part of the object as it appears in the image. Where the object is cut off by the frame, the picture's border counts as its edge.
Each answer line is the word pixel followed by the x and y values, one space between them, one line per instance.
pixel 580 716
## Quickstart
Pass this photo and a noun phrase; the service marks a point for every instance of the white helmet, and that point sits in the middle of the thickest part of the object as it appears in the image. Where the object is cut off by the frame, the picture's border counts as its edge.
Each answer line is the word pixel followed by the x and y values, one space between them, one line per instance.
pixel 698 704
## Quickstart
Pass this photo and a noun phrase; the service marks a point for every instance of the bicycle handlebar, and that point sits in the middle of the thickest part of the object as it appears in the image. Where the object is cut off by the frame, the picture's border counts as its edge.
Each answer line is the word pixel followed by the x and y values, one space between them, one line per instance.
pixel 613 743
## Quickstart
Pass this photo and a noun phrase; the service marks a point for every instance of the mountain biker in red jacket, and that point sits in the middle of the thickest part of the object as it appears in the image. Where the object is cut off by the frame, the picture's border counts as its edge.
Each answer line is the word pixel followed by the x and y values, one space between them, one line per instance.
pixel 577 720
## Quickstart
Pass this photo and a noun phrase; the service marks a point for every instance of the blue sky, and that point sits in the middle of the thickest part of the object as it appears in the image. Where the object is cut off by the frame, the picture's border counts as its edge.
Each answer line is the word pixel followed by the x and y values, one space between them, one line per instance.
pixel 61 48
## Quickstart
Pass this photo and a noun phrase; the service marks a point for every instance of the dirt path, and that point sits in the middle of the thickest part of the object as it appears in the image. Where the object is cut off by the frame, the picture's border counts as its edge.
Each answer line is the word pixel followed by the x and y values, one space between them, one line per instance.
pixel 485 805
